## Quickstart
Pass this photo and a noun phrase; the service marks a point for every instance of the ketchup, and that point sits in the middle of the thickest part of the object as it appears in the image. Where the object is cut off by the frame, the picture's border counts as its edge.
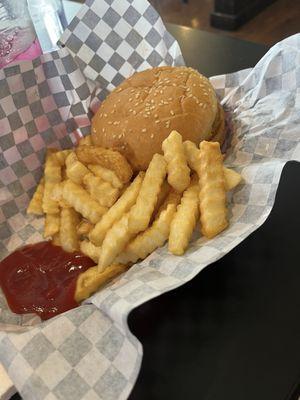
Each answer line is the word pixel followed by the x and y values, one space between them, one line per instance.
pixel 41 278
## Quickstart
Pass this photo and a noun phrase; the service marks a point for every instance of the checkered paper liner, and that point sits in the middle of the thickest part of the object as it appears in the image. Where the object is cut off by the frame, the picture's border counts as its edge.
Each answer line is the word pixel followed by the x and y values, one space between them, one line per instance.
pixel 89 352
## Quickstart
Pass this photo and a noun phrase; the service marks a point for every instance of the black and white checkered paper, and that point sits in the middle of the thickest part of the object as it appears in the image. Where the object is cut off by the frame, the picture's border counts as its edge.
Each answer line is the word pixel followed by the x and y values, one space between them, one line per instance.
pixel 89 352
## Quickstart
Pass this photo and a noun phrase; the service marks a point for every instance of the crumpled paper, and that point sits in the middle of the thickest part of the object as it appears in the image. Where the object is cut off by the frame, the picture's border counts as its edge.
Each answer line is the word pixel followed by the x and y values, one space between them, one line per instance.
pixel 89 352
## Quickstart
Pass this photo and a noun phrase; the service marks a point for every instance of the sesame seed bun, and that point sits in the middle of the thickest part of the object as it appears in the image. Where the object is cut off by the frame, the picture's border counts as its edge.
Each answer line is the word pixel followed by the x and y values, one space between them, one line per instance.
pixel 141 112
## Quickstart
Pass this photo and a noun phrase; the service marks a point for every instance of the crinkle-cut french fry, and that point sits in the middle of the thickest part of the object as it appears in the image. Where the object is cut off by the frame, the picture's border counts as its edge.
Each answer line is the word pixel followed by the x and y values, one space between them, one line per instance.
pixel 106 174
pixel 84 228
pixel 177 167
pixel 86 140
pixel 52 225
pixel 155 236
pixel 185 219
pixel 69 220
pixel 212 196
pixel 232 178
pixel 52 175
pixel 36 203
pixel 91 280
pixel 121 206
pixel 141 212
pixel 57 195
pixel 90 250
pixel 114 242
pixel 79 198
pixel 164 191
pixel 101 191
pixel 75 170
pixel 61 156
pixel 107 158
pixel 56 239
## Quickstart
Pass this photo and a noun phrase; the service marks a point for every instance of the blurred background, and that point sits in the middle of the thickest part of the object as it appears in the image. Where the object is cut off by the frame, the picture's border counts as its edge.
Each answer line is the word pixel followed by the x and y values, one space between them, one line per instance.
pixel 261 21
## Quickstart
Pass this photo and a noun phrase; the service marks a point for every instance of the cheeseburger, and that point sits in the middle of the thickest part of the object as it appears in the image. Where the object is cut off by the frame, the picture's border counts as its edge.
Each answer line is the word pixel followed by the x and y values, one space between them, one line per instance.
pixel 141 112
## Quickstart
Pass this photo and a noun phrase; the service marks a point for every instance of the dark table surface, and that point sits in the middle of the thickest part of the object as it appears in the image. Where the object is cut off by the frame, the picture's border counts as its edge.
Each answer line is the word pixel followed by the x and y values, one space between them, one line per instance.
pixel 233 332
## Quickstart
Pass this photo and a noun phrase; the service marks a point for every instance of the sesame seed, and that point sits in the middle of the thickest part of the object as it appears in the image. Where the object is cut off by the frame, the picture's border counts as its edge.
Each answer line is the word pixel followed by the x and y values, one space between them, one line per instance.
pixel 113 111
pixel 152 101
pixel 137 96
pixel 105 115
pixel 188 89
pixel 94 130
pixel 152 135
pixel 101 115
pixel 136 104
pixel 172 112
pixel 194 84
pixel 170 98
pixel 114 135
pixel 134 112
pixel 120 136
pixel 144 130
pixel 155 116
pixel 148 113
pixel 161 92
pixel 130 99
pixel 115 105
pixel 103 130
pixel 109 122
pixel 130 110
pixel 118 101
pixel 157 121
pixel 167 124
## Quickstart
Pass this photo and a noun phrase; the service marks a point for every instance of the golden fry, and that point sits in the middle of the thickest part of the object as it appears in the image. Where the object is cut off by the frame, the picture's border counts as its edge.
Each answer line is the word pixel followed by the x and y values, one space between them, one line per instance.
pixel 114 242
pixel 84 228
pixel 91 280
pixel 69 220
pixel 185 219
pixel 52 225
pixel 212 196
pixel 85 141
pixel 192 152
pixel 155 236
pixel 106 174
pixel 52 175
pixel 36 203
pixel 90 250
pixel 62 155
pixel 178 170
pixel 56 239
pixel 57 195
pixel 79 198
pixel 101 191
pixel 164 191
pixel 75 170
pixel 232 178
pixel 122 205
pixel 107 158
pixel 141 212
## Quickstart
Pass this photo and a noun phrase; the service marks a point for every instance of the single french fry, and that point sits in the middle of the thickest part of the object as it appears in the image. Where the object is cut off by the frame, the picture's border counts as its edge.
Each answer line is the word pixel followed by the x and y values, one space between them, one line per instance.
pixel 84 228
pixel 61 156
pixel 56 239
pixel 121 206
pixel 79 198
pixel 75 170
pixel 185 219
pixel 86 140
pixel 232 178
pixel 212 196
pixel 69 220
pixel 107 158
pixel 106 174
pixel 52 175
pixel 91 280
pixel 57 195
pixel 177 167
pixel 141 212
pixel 101 191
pixel 114 242
pixel 36 203
pixel 155 236
pixel 90 250
pixel 52 225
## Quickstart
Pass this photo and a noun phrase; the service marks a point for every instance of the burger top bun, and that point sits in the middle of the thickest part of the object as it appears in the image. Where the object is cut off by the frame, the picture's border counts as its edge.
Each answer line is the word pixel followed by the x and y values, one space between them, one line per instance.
pixel 141 112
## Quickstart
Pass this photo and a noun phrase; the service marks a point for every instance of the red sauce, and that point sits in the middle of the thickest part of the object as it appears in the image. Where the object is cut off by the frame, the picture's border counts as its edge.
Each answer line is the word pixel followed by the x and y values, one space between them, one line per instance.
pixel 41 278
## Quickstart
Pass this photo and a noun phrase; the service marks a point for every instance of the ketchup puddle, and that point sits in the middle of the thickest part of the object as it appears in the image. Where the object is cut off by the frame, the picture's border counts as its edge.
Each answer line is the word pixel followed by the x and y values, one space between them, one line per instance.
pixel 41 278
